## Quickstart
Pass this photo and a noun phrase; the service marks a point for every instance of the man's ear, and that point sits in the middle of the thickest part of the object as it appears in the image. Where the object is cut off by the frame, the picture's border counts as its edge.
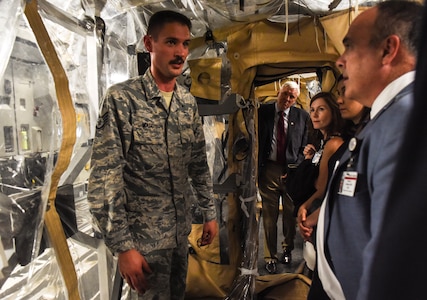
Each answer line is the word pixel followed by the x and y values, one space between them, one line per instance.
pixel 148 43
pixel 391 48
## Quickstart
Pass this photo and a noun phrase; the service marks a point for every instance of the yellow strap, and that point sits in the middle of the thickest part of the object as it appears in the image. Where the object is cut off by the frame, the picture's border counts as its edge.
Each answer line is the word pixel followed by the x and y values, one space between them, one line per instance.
pixel 66 107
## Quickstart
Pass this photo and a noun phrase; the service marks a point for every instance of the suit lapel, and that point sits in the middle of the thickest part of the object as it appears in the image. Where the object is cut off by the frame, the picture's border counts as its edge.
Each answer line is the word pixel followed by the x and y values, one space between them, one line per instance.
pixel 361 136
pixel 270 120
pixel 291 120
pixel 332 183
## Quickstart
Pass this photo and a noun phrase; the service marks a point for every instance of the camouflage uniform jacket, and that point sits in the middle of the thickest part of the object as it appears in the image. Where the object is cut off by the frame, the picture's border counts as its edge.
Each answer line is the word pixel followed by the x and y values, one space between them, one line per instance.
pixel 144 158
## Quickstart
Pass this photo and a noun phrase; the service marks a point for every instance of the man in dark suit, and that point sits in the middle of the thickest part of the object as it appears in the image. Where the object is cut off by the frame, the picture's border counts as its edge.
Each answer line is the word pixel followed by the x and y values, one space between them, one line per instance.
pixel 378 68
pixel 273 165
pixel 403 237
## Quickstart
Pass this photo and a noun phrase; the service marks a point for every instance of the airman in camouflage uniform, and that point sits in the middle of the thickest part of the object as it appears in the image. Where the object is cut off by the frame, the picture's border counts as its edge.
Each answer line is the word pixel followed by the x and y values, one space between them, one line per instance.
pixel 146 154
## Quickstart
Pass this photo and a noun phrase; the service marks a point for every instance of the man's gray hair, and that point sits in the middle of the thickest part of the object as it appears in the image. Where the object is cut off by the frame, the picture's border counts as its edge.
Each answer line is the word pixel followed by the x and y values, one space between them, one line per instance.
pixel 291 84
pixel 402 18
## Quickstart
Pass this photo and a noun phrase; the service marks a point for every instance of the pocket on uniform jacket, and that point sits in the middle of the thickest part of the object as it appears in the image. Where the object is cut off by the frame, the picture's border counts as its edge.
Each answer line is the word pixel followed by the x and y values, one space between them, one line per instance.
pixel 147 132
pixel 187 134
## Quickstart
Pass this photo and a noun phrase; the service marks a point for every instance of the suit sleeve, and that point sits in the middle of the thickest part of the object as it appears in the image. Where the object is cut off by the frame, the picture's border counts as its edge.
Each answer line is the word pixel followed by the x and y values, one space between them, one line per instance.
pixel 305 119
pixel 381 167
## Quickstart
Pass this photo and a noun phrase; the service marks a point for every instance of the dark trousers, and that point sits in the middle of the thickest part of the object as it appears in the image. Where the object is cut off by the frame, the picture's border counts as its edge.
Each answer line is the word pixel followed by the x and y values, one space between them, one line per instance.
pixel 271 188
pixel 316 291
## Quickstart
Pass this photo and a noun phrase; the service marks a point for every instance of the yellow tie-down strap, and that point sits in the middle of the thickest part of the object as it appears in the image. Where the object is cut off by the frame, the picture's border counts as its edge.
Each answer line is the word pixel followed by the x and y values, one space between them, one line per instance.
pixel 68 114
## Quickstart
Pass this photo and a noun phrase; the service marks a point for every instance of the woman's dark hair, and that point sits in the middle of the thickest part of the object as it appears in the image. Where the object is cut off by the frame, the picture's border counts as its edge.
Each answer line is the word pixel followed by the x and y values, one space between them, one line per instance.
pixel 337 122
pixel 350 129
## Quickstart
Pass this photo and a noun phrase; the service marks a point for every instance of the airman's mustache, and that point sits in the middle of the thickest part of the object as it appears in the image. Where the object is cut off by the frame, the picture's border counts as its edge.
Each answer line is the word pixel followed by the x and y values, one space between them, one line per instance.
pixel 177 60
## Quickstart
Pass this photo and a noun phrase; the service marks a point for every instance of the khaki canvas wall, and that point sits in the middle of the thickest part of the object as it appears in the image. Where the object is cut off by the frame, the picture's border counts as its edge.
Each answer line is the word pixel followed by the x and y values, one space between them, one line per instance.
pixel 257 52
pixel 261 48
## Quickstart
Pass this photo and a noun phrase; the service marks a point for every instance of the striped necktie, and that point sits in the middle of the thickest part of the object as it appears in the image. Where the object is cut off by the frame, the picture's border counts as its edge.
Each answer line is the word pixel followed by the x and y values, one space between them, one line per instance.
pixel 281 138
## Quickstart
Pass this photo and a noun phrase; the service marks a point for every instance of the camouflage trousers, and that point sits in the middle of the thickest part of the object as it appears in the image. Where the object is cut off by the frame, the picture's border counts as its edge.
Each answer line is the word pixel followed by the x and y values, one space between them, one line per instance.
pixel 169 275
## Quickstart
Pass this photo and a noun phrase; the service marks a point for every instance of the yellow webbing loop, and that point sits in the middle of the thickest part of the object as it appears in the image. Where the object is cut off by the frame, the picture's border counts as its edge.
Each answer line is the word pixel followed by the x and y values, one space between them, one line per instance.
pixel 66 107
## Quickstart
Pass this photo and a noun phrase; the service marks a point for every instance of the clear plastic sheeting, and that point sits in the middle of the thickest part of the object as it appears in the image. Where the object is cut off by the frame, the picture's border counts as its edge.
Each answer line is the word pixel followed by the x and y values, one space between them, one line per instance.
pixel 46 280
pixel 95 267
pixel 94 53
pixel 216 131
pixel 29 140
pixel 9 12
pixel 212 14
pixel 244 284
pixel 77 48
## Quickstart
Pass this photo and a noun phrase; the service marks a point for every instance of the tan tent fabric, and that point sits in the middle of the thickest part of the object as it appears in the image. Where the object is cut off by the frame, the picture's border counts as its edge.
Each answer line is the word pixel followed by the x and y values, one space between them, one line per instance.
pixel 208 253
pixel 256 50
pixel 206 280
pixel 262 43
pixel 342 21
pixel 328 81
pixel 206 77
pixel 206 276
pixel 282 286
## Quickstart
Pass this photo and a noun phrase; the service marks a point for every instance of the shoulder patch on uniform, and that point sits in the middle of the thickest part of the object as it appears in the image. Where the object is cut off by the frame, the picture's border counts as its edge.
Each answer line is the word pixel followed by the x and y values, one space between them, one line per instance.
pixel 102 120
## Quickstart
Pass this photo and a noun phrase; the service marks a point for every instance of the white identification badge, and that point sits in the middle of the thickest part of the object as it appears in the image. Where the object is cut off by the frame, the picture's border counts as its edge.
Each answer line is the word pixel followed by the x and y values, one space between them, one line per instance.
pixel 317 156
pixel 348 183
